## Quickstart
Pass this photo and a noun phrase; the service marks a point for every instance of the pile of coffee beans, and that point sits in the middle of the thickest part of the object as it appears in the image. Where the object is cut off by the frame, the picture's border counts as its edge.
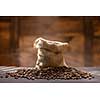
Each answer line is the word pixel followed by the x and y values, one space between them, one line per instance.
pixel 62 72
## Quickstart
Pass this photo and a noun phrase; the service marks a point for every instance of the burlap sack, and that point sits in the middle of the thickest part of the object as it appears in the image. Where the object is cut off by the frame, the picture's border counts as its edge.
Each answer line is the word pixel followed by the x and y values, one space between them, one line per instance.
pixel 50 53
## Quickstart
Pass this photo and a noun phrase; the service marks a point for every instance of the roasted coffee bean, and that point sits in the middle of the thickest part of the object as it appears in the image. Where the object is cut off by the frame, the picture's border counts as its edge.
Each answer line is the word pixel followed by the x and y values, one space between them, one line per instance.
pixel 1 76
pixel 6 76
pixel 16 77
pixel 32 78
pixel 28 78
pixel 62 72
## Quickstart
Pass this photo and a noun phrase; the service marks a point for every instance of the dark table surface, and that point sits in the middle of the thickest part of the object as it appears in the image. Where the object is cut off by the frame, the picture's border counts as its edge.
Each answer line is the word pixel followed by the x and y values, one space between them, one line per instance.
pixel 93 70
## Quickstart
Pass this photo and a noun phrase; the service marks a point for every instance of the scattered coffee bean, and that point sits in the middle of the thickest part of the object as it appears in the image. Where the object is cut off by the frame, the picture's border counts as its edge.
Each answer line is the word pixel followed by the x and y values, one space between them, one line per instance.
pixel 62 72
pixel 16 77
pixel 1 76
pixel 6 76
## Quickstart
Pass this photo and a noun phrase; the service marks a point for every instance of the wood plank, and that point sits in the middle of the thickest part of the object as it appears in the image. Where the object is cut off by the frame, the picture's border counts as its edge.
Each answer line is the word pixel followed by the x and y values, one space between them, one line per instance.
pixel 88 45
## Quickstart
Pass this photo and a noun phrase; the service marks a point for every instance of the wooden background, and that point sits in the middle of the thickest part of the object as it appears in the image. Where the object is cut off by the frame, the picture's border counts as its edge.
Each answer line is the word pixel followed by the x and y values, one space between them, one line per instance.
pixel 17 35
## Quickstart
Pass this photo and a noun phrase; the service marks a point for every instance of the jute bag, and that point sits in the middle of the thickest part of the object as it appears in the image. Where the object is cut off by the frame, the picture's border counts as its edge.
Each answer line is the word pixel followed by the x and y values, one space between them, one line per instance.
pixel 50 53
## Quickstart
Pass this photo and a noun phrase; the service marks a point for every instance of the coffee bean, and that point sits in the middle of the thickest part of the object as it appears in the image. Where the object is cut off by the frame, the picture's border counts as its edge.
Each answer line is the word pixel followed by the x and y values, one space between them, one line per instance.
pixel 32 78
pixel 6 76
pixel 16 77
pixel 1 76
pixel 62 72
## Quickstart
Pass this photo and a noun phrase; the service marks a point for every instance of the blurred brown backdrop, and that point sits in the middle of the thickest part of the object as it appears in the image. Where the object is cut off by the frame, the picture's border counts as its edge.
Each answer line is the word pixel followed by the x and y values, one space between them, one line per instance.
pixel 17 35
